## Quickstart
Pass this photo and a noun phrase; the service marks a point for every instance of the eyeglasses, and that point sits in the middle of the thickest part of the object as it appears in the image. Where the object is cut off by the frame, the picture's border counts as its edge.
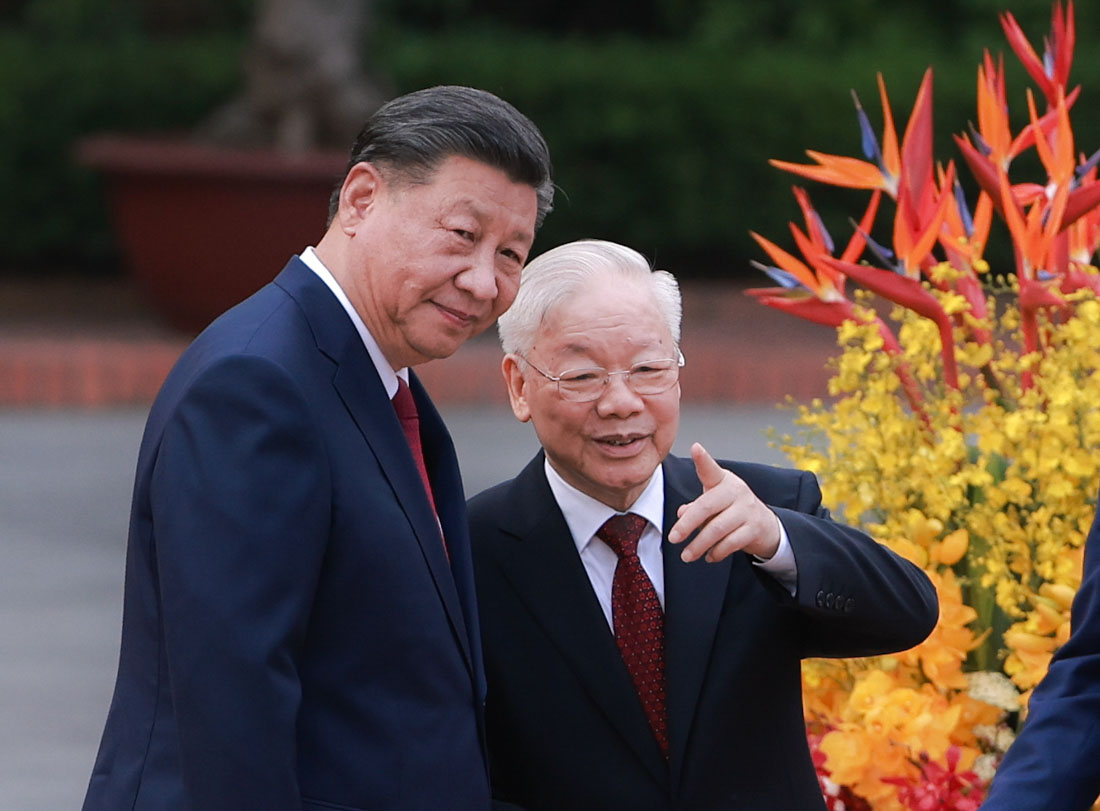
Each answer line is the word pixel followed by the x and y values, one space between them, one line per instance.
pixel 645 378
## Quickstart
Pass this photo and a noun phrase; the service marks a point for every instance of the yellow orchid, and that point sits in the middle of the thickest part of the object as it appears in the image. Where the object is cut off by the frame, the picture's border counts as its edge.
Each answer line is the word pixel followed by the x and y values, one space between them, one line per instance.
pixel 961 427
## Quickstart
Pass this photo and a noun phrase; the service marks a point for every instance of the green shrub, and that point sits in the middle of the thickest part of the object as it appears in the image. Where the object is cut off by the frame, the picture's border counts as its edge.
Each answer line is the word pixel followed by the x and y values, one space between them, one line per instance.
pixel 53 91
pixel 661 144
pixel 665 147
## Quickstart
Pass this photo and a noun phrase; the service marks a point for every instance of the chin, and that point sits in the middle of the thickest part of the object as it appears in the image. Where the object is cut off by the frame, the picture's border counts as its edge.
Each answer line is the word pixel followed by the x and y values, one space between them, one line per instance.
pixel 625 484
pixel 438 350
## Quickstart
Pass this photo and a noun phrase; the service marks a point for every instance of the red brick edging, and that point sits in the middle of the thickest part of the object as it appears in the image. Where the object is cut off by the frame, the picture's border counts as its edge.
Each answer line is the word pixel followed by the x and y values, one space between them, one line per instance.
pixel 737 352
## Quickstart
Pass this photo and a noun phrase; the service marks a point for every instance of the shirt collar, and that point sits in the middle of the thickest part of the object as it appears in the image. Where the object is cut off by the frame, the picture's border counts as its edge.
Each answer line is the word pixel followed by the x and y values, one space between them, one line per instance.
pixel 385 371
pixel 584 515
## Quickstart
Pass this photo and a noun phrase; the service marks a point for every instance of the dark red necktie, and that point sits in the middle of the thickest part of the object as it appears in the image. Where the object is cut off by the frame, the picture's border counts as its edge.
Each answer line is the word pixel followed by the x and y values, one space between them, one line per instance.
pixel 405 407
pixel 638 620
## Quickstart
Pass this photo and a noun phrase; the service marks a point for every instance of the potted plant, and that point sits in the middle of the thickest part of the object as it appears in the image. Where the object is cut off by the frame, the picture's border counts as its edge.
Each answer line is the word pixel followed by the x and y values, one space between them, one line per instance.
pixel 204 220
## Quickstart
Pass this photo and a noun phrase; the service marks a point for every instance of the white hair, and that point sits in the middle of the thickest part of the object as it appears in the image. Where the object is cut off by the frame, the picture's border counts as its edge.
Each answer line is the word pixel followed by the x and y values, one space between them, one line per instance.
pixel 552 277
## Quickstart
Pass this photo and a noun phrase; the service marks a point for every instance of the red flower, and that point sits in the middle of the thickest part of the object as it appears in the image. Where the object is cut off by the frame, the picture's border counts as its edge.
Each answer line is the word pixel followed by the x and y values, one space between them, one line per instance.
pixel 941 789
pixel 837 798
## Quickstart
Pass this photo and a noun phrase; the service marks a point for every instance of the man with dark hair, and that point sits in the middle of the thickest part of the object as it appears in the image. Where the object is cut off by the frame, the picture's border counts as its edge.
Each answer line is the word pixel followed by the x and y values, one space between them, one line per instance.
pixel 411 132
pixel 299 627
pixel 644 616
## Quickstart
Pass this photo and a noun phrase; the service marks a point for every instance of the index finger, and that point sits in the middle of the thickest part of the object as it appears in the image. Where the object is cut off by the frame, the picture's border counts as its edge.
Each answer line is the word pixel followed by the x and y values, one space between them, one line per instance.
pixel 710 473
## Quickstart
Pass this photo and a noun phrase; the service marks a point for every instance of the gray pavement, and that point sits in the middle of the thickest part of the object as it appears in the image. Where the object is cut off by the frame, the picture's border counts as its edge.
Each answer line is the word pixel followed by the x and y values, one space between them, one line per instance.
pixel 65 481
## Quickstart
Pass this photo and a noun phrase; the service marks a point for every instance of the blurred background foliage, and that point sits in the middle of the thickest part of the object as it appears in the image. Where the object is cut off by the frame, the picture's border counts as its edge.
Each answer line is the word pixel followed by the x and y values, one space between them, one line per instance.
pixel 660 114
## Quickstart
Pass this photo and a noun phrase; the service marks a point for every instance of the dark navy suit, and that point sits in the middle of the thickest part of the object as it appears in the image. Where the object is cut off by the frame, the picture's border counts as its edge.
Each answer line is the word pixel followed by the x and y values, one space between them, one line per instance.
pixel 566 730
pixel 1055 763
pixel 293 633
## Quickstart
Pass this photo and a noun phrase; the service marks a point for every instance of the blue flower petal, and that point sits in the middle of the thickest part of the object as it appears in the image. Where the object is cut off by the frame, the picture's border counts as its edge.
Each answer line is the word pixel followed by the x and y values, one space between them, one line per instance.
pixel 868 141
pixel 881 252
pixel 779 276
pixel 979 141
pixel 824 233
pixel 1085 167
pixel 964 212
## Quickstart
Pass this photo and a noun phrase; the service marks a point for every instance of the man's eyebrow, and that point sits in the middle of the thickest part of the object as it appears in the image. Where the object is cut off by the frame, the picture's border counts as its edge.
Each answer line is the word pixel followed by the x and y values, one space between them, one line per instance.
pixel 581 349
pixel 575 348
pixel 471 207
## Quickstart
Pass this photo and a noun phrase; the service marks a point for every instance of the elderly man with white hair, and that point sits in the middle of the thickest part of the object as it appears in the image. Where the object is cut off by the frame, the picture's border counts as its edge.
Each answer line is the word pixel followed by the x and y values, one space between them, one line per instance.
pixel 644 616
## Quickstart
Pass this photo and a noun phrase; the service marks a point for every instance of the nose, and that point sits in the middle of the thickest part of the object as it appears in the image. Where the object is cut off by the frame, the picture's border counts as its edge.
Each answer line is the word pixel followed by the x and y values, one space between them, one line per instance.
pixel 479 278
pixel 618 399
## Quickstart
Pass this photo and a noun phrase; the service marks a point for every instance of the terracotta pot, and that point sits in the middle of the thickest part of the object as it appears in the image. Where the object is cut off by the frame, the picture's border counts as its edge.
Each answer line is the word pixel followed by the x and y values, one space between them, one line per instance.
pixel 202 227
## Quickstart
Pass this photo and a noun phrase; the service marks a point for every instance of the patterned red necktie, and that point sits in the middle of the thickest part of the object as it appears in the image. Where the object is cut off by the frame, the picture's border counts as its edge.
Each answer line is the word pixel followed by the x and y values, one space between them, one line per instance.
pixel 405 407
pixel 638 620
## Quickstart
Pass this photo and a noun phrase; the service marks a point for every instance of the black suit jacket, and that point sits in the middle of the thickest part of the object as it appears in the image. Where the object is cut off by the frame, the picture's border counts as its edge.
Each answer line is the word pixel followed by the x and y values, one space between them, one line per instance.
pixel 294 635
pixel 566 730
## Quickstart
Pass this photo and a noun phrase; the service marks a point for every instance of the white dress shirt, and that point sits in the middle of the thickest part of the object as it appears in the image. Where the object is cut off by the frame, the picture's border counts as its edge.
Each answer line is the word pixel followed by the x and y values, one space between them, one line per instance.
pixel 385 371
pixel 584 516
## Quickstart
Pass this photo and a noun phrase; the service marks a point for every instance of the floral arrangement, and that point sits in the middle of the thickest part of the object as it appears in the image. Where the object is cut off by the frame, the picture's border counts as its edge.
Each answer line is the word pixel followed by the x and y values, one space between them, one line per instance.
pixel 963 425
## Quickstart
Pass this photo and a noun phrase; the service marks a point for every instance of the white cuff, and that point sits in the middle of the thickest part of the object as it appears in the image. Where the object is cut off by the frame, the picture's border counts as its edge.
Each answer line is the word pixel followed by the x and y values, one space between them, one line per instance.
pixel 782 564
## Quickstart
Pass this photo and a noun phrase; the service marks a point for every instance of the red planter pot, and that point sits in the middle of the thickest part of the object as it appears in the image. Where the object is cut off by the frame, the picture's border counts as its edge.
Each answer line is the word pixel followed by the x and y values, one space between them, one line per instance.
pixel 202 227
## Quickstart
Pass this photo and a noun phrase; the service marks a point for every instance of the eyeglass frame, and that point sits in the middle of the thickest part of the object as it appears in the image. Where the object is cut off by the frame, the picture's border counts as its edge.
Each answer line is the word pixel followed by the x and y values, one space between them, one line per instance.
pixel 556 380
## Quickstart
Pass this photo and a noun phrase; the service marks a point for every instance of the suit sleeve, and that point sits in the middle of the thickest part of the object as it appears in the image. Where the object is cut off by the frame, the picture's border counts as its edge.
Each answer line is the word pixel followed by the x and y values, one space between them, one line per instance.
pixel 1052 764
pixel 856 596
pixel 240 511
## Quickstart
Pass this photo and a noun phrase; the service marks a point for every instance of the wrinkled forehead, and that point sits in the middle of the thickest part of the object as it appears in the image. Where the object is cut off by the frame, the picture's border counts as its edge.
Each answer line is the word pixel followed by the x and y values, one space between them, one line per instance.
pixel 605 320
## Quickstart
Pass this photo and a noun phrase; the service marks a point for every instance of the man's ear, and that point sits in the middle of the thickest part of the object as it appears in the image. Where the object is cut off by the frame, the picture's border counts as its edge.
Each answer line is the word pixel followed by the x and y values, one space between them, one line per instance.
pixel 362 188
pixel 517 386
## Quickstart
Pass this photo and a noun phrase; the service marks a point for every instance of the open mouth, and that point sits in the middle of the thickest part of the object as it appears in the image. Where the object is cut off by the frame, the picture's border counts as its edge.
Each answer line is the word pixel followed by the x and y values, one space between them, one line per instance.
pixel 621 442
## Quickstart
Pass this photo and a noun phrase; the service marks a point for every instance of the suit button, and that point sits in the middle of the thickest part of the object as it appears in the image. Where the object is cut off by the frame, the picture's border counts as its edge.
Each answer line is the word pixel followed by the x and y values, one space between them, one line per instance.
pixel 849 604
pixel 829 599
pixel 820 599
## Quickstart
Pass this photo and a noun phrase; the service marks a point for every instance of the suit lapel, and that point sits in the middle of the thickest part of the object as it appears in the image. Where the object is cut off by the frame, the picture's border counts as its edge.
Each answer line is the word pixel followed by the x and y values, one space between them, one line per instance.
pixel 542 564
pixel 359 386
pixel 450 501
pixel 694 594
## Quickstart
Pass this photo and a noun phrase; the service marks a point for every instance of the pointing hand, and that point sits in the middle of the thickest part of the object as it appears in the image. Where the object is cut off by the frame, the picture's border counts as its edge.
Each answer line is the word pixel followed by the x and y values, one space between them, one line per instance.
pixel 728 516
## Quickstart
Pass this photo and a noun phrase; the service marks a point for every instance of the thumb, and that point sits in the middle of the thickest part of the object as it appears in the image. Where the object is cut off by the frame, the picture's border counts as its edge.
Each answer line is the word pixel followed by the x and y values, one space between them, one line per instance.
pixel 710 473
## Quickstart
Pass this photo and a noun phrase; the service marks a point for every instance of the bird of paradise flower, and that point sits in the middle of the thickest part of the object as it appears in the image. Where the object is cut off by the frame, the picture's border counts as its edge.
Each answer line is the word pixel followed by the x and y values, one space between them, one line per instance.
pixel 1054 226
